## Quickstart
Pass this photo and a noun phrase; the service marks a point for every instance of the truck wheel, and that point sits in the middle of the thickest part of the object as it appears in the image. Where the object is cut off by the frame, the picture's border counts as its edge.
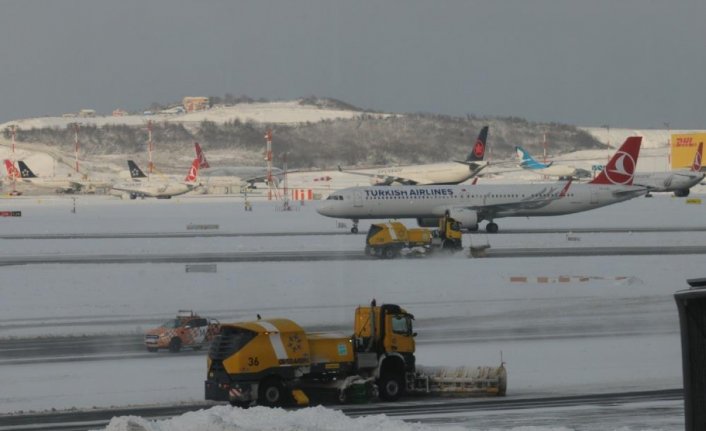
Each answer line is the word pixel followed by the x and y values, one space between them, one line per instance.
pixel 270 393
pixel 151 349
pixel 175 345
pixel 390 386
pixel 389 252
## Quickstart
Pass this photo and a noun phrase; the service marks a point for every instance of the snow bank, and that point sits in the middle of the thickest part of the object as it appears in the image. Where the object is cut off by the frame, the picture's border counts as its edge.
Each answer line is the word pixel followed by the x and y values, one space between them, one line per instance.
pixel 223 418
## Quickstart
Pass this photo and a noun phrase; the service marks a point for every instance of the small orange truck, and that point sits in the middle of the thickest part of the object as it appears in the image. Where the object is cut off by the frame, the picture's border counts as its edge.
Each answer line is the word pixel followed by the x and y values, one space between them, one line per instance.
pixel 187 330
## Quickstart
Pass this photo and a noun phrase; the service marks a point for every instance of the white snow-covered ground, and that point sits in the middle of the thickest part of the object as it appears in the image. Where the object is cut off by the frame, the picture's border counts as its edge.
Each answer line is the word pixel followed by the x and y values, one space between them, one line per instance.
pixel 612 327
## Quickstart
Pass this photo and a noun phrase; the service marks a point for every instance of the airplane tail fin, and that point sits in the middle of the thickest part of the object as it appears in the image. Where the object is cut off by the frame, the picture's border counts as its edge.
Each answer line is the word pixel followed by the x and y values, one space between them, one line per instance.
pixel 135 171
pixel 478 152
pixel 12 171
pixel 527 161
pixel 696 166
pixel 193 171
pixel 203 163
pixel 620 170
pixel 25 171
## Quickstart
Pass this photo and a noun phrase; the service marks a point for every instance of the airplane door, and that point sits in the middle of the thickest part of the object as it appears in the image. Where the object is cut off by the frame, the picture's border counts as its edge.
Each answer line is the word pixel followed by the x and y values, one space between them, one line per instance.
pixel 358 199
pixel 594 196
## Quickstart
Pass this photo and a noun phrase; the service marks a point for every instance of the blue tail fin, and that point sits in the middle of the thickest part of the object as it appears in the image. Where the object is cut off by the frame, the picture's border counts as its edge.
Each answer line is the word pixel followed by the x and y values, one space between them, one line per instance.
pixel 527 162
pixel 25 171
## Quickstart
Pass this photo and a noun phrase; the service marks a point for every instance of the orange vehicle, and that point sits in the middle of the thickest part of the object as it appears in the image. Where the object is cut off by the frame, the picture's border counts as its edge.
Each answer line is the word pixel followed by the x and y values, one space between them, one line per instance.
pixel 187 330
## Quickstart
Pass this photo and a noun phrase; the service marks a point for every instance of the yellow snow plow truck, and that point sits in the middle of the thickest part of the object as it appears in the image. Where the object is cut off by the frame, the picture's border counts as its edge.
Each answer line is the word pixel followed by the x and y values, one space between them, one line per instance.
pixel 274 362
pixel 389 240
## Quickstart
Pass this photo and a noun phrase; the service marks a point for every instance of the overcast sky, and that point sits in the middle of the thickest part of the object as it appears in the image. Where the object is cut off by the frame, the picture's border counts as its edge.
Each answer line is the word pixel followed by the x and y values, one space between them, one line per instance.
pixel 631 63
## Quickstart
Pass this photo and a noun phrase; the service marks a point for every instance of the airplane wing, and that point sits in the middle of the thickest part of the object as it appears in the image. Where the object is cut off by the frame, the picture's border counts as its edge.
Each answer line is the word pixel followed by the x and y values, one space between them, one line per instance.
pixel 386 180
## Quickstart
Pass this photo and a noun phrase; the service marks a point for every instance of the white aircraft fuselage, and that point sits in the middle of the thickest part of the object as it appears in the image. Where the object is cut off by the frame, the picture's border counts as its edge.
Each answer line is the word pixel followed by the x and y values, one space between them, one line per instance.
pixel 488 201
pixel 671 181
pixel 432 173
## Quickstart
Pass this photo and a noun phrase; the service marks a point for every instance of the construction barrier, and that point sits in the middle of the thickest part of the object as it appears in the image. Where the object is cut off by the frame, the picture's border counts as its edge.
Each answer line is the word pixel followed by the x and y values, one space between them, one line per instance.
pixel 302 194
pixel 564 279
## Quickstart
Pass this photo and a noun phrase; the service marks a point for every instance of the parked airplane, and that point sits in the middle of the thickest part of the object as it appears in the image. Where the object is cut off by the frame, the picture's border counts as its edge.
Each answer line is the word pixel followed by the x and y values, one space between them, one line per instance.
pixel 60 185
pixel 160 189
pixel 679 181
pixel 470 204
pixel 550 169
pixel 454 172
pixel 70 184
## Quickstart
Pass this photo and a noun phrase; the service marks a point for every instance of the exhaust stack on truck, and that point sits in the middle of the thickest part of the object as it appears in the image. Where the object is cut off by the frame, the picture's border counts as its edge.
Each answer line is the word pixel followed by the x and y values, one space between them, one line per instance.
pixel 274 362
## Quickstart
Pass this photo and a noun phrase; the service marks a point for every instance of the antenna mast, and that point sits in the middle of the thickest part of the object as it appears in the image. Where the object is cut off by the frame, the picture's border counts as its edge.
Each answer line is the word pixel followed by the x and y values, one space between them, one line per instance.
pixel 150 147
pixel 76 128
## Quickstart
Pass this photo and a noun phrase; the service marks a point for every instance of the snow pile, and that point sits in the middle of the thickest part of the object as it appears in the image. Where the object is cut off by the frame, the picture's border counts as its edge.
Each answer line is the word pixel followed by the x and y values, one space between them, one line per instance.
pixel 223 418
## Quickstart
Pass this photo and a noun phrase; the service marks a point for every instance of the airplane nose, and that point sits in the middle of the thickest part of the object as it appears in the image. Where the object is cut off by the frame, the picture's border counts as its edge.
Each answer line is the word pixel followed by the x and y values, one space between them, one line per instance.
pixel 325 210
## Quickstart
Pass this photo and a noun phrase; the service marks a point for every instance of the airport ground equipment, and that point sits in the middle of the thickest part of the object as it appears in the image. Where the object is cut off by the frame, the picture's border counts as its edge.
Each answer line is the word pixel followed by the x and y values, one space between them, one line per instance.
pixel 389 240
pixel 274 362
pixel 188 329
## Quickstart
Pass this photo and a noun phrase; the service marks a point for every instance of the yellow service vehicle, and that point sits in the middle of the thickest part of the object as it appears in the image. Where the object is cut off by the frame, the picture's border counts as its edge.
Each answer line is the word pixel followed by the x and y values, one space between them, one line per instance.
pixel 388 240
pixel 274 362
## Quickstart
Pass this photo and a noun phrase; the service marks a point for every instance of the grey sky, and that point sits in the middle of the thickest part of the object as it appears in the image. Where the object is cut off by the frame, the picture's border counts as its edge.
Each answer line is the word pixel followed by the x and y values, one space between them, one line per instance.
pixel 632 63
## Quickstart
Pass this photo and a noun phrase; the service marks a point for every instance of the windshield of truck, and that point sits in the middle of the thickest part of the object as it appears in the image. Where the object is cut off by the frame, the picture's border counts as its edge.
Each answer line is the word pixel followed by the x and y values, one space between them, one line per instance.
pixel 171 324
pixel 230 341
pixel 401 325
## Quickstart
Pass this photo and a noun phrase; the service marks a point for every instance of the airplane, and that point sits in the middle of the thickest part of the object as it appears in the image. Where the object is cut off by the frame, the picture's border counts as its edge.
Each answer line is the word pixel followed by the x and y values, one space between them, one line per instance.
pixel 454 172
pixel 470 204
pixel 550 169
pixel 233 176
pixel 60 185
pixel 677 181
pixel 163 189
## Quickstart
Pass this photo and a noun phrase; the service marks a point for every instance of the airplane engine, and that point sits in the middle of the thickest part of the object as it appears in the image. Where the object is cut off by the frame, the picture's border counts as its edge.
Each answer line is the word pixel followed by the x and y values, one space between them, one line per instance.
pixel 467 218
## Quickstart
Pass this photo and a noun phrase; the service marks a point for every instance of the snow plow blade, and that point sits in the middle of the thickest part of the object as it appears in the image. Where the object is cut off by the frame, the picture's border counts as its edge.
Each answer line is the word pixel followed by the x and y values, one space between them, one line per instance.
pixel 463 380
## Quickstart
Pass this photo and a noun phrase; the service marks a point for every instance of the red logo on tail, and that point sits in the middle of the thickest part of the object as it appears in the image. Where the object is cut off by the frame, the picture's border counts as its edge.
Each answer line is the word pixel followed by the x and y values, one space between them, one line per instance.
pixel 479 149
pixel 203 163
pixel 696 166
pixel 193 172
pixel 12 171
pixel 621 167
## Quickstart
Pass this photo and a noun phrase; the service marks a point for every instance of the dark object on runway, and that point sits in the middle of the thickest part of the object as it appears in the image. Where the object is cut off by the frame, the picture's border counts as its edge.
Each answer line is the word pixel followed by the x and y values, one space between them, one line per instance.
pixel 692 319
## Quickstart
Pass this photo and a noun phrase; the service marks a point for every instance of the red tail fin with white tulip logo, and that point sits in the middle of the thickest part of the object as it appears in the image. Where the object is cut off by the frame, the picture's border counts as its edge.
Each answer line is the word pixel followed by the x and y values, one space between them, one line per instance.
pixel 696 166
pixel 12 171
pixel 193 172
pixel 203 163
pixel 620 170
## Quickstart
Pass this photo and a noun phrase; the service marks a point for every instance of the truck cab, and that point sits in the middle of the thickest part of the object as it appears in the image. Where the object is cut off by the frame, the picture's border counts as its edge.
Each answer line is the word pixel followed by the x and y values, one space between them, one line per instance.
pixel 188 329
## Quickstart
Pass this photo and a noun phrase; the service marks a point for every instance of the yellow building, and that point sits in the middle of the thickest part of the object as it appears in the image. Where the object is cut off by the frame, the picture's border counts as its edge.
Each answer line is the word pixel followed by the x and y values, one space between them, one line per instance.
pixel 192 104
pixel 684 147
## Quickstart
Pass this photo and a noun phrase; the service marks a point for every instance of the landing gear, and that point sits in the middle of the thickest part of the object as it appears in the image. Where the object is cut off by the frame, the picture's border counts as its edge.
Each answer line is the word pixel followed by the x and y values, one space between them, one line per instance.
pixel 354 229
pixel 491 227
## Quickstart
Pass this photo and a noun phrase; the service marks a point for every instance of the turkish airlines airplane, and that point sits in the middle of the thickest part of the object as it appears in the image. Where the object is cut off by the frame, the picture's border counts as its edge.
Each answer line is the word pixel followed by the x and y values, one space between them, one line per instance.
pixel 678 181
pixel 454 172
pixel 160 189
pixel 470 204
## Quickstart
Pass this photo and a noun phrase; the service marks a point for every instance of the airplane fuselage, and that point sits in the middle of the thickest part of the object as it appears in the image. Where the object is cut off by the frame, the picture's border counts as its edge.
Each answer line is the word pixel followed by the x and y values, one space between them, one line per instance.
pixel 489 201
pixel 432 173
pixel 668 181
